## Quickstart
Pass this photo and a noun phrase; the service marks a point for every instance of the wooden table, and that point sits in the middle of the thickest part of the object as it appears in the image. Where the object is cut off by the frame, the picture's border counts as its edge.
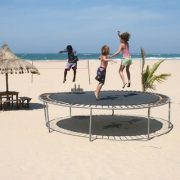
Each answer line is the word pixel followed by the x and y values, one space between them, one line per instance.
pixel 9 96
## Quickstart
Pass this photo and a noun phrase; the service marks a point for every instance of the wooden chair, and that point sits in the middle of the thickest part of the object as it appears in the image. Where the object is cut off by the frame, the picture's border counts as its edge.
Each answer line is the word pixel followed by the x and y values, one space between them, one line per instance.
pixel 25 101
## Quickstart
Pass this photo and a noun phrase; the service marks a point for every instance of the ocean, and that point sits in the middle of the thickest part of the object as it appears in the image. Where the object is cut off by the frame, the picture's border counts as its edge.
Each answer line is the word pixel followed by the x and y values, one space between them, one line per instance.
pixel 89 56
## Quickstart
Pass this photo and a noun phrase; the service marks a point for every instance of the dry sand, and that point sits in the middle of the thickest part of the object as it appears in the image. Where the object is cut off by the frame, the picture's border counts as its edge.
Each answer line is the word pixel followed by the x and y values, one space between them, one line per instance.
pixel 29 152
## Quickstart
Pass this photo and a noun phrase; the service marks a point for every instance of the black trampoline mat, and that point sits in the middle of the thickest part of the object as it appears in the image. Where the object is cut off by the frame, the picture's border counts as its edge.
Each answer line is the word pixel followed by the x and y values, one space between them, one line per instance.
pixel 107 98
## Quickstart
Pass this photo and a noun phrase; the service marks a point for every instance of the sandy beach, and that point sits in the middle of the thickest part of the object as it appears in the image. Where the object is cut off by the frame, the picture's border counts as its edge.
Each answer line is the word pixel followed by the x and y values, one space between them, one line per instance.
pixel 29 152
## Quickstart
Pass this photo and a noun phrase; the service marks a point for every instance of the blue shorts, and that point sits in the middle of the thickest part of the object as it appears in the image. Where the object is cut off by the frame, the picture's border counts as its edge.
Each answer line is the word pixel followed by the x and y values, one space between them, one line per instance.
pixel 101 75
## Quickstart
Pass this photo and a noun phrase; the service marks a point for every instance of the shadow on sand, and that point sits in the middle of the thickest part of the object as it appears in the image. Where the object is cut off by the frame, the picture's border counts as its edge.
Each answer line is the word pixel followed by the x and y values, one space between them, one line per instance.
pixel 32 106
pixel 111 127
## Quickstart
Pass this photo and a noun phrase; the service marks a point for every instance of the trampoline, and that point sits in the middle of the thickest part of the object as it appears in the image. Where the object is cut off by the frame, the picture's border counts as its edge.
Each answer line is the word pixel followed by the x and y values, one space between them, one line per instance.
pixel 109 100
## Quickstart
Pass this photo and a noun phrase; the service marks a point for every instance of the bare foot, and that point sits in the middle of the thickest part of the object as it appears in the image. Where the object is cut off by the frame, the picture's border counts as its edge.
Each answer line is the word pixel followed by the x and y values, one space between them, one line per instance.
pixel 129 84
pixel 124 85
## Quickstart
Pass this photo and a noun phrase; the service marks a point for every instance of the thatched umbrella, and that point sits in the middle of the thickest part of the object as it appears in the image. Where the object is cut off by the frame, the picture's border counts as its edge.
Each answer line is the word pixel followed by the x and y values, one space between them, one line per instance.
pixel 11 64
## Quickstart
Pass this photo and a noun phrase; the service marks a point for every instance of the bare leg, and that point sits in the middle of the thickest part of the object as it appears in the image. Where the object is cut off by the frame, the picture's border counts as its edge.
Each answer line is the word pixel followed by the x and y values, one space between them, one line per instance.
pixel 128 75
pixel 122 75
pixel 74 78
pixel 65 74
pixel 98 89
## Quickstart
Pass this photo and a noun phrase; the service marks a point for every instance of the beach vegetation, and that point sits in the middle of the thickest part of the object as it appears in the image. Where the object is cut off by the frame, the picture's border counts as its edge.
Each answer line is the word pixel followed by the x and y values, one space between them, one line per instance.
pixel 149 78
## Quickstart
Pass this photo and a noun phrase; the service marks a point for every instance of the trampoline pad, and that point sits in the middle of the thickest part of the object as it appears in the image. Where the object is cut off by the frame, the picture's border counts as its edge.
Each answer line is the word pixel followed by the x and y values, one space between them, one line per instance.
pixel 107 98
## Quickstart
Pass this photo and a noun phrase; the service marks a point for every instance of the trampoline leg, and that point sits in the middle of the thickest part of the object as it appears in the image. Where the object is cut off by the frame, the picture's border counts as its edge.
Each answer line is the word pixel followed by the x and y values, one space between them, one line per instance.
pixel 47 117
pixel 90 125
pixel 112 112
pixel 70 111
pixel 148 123
pixel 45 114
pixel 169 114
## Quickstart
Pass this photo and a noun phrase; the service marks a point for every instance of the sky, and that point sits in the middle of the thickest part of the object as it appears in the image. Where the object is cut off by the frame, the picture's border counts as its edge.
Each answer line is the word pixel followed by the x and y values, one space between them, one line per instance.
pixel 44 26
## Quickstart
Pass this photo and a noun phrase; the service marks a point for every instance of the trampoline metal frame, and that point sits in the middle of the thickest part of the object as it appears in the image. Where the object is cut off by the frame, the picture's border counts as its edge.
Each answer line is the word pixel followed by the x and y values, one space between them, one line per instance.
pixel 113 108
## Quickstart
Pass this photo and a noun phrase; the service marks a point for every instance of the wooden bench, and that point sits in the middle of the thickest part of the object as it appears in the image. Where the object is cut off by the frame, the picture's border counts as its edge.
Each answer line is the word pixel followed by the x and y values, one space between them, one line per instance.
pixel 25 101
pixel 4 104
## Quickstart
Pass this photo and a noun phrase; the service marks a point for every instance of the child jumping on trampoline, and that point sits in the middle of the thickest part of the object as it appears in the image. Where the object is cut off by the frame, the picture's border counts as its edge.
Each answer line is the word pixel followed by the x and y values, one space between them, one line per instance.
pixel 126 57
pixel 72 62
pixel 101 71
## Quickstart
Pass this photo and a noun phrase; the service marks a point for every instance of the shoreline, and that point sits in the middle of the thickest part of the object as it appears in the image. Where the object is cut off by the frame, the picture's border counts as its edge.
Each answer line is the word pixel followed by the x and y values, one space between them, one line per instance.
pixel 118 59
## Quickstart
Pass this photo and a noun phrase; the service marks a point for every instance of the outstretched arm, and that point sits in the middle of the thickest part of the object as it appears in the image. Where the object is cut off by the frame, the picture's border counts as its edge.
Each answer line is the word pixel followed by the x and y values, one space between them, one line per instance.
pixel 119 34
pixel 118 51
pixel 111 60
pixel 63 51
pixel 108 59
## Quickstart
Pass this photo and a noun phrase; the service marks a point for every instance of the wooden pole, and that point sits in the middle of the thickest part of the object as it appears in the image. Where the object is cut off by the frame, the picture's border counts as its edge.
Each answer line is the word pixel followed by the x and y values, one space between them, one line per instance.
pixel 89 73
pixel 142 67
pixel 32 75
pixel 7 87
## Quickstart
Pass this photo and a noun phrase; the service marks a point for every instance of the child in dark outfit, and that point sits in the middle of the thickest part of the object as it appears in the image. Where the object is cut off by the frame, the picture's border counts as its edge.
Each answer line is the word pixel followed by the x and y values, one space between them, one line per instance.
pixel 72 62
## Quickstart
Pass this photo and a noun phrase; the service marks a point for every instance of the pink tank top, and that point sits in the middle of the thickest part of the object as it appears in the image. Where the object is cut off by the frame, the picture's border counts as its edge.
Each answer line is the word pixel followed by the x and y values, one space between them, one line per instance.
pixel 126 53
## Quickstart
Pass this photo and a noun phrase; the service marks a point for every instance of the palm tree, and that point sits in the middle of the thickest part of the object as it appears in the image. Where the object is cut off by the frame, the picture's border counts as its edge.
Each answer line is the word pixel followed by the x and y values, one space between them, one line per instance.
pixel 142 67
pixel 148 76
